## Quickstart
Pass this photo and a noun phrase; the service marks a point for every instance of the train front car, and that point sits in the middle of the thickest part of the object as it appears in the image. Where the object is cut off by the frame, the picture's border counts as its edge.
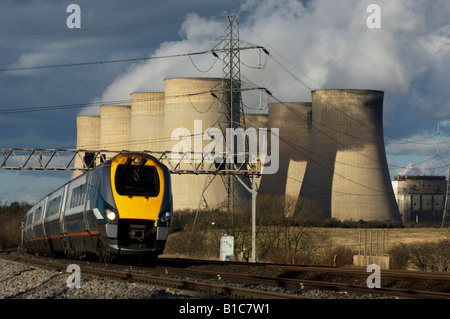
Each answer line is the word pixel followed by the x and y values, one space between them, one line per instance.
pixel 137 205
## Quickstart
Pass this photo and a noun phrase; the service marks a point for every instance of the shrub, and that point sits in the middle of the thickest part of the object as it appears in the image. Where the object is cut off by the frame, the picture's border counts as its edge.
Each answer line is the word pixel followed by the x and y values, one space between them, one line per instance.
pixel 11 218
pixel 190 244
pixel 289 258
pixel 429 256
pixel 338 256
pixel 399 257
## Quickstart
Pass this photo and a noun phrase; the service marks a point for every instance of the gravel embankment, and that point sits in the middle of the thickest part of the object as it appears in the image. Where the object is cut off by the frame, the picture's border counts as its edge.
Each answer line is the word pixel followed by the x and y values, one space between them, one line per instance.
pixel 19 281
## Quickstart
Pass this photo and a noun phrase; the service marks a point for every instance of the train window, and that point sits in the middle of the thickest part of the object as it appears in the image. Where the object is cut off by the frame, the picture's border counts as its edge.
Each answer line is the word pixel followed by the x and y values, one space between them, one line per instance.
pixel 38 214
pixel 134 180
pixel 78 197
pixel 105 188
pixel 79 190
pixel 72 198
pixel 53 206
pixel 30 218
pixel 83 200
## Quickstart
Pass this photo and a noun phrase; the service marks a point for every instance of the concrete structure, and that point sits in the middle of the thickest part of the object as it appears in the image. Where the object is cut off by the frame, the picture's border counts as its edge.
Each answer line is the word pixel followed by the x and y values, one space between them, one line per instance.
pixel 331 150
pixel 115 127
pixel 257 120
pixel 147 121
pixel 372 245
pixel 420 198
pixel 190 109
pixel 363 261
pixel 294 123
pixel 88 137
pixel 347 172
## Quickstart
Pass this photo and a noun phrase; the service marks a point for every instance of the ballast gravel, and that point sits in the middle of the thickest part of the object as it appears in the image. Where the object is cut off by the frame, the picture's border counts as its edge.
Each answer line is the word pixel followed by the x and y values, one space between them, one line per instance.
pixel 20 281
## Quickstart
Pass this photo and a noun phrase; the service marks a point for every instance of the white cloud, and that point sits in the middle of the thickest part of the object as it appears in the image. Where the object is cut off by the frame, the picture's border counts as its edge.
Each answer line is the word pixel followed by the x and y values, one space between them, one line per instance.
pixel 198 34
pixel 328 41
pixel 325 44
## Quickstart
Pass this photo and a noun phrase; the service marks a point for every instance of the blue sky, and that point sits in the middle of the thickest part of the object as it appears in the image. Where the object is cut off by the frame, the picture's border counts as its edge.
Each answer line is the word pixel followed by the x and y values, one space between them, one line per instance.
pixel 325 44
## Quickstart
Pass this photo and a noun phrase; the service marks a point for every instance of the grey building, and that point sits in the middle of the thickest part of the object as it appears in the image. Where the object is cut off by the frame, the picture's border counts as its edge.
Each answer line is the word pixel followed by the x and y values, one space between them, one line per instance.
pixel 420 198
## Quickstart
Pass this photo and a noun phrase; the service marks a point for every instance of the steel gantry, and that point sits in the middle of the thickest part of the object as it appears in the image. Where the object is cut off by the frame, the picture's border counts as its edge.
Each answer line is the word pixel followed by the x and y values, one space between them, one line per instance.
pixel 187 163
pixel 64 160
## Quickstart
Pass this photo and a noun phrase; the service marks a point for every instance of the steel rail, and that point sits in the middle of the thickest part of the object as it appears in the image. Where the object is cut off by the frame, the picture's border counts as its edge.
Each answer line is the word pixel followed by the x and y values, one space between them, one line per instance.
pixel 355 272
pixel 220 278
pixel 360 272
pixel 206 289
pixel 300 284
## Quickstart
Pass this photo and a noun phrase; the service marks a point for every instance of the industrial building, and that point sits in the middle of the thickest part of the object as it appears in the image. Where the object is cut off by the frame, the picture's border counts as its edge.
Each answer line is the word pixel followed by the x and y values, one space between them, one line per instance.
pixel 331 150
pixel 420 198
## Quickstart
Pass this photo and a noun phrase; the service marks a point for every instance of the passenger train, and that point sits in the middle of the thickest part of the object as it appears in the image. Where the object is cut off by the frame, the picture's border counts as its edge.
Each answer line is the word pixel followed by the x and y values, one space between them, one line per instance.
pixel 122 207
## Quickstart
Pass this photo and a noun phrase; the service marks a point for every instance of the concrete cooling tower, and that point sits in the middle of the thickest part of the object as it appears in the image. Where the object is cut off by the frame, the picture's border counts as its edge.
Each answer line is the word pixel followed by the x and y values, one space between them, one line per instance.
pixel 347 171
pixel 88 137
pixel 257 120
pixel 330 151
pixel 294 123
pixel 115 127
pixel 190 110
pixel 147 121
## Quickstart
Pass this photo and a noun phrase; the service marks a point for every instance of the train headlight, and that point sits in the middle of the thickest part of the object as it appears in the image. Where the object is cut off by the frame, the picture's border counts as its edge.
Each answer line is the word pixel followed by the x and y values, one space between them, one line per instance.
pixel 164 218
pixel 110 215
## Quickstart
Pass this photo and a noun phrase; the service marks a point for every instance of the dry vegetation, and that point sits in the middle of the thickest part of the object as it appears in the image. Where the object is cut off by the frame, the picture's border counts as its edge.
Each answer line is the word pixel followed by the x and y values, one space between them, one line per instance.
pixel 295 238
pixel 11 218
pixel 299 238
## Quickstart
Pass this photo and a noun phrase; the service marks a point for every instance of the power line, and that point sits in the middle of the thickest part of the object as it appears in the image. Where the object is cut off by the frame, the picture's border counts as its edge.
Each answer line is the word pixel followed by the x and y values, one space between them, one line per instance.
pixel 92 104
pixel 88 29
pixel 292 64
pixel 60 107
pixel 290 73
pixel 69 106
pixel 38 67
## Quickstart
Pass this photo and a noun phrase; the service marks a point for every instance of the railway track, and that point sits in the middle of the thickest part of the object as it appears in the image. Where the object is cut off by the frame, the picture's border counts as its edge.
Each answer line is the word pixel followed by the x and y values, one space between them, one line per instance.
pixel 297 270
pixel 205 289
pixel 301 284
pixel 237 280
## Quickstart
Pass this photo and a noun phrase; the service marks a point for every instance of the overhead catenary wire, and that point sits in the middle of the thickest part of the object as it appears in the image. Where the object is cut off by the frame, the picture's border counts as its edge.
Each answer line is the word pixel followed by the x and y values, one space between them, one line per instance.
pixel 317 84
pixel 308 153
pixel 90 29
pixel 190 54
pixel 121 102
pixel 401 141
pixel 64 65
pixel 88 104
pixel 169 97
pixel 68 106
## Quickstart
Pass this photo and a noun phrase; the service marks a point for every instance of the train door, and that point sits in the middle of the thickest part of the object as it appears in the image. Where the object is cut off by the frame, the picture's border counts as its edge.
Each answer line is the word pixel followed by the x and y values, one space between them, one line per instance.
pixel 62 226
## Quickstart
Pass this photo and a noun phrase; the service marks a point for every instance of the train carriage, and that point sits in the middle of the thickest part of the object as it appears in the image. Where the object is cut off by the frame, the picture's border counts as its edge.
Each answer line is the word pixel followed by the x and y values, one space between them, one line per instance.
pixel 122 207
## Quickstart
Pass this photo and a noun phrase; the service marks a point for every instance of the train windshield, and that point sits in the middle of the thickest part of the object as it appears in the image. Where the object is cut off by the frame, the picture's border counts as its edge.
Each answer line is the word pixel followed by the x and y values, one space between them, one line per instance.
pixel 133 180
